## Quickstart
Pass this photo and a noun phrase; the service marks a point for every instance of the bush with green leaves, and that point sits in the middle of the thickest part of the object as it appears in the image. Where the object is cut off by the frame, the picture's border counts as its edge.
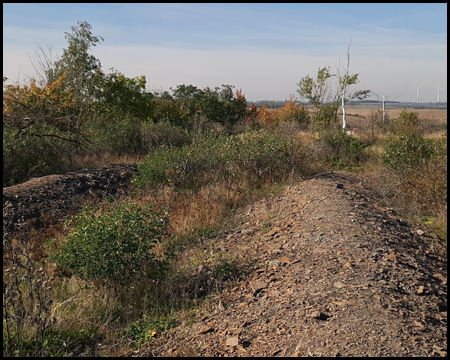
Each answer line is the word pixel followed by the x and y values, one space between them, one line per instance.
pixel 181 167
pixel 418 167
pixel 256 156
pixel 407 151
pixel 251 156
pixel 117 132
pixel 164 134
pixel 115 243
pixel 342 150
pixel 407 122
pixel 26 156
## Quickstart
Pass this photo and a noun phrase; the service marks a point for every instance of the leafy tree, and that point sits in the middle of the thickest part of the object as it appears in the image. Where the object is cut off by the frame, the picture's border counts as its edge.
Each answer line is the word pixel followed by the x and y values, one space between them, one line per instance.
pixel 127 95
pixel 41 124
pixel 83 70
pixel 318 92
pixel 188 102
pixel 28 107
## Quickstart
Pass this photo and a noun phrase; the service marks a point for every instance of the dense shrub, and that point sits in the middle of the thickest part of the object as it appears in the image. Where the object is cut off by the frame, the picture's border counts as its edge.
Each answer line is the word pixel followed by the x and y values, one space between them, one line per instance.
pixel 113 244
pixel 407 122
pixel 418 167
pixel 341 150
pixel 27 156
pixel 407 152
pixel 118 133
pixel 250 156
pixel 256 156
pixel 164 134
pixel 292 112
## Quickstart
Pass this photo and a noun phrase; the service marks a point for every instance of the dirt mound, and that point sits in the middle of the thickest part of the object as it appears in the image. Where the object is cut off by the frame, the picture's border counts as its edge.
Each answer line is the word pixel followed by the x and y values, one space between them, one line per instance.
pixel 41 202
pixel 334 275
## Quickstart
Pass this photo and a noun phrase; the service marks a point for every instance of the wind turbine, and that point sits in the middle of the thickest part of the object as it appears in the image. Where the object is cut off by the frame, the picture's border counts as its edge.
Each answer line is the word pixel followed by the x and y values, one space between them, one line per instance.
pixel 418 92
pixel 437 92
pixel 384 98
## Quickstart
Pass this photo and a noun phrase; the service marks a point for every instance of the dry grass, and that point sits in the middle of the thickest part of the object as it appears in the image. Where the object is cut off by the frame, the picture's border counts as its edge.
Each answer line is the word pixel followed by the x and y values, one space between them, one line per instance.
pixel 91 161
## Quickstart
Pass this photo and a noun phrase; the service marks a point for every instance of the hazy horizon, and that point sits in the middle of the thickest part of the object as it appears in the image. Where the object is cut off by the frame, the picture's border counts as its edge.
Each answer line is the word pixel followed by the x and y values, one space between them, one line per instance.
pixel 263 49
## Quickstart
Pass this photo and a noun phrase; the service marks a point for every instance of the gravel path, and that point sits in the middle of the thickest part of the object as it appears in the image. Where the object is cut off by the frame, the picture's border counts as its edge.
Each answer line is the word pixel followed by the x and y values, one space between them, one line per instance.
pixel 334 275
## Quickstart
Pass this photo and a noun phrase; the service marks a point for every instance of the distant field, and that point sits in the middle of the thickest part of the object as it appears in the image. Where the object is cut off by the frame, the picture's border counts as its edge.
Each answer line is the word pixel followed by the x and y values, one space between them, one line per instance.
pixel 393 112
pixel 358 115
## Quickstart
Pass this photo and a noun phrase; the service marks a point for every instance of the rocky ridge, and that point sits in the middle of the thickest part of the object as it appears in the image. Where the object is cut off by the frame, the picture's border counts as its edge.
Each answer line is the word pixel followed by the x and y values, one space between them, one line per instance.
pixel 335 275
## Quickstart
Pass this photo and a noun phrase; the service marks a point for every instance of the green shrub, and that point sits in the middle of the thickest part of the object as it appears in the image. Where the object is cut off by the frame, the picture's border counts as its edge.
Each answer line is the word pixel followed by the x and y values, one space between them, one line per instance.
pixel 118 133
pixel 418 169
pixel 114 244
pixel 407 151
pixel 407 122
pixel 252 156
pixel 28 156
pixel 164 134
pixel 256 156
pixel 341 150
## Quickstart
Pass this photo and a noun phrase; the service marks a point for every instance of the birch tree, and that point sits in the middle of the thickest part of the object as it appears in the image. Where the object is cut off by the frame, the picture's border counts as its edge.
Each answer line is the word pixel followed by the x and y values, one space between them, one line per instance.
pixel 345 81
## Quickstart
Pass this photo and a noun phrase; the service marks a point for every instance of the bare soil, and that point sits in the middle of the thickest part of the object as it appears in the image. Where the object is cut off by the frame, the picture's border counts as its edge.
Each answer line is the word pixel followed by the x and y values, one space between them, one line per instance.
pixel 334 273
pixel 42 202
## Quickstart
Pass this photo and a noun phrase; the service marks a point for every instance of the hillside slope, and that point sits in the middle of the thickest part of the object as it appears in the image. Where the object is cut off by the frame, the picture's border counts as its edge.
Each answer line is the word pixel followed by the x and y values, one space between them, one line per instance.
pixel 334 275
pixel 332 272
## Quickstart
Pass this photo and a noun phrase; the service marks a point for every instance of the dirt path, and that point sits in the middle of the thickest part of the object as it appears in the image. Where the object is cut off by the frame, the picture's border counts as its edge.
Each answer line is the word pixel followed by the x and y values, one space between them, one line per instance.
pixel 335 275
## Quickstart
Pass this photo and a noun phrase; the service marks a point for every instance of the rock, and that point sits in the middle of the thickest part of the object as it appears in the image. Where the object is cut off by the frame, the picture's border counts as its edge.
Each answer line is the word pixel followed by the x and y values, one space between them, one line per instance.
pixel 418 324
pixel 338 284
pixel 297 354
pixel 232 341
pixel 420 232
pixel 391 257
pixel 206 329
pixel 274 262
pixel 257 285
pixel 319 315
pixel 440 277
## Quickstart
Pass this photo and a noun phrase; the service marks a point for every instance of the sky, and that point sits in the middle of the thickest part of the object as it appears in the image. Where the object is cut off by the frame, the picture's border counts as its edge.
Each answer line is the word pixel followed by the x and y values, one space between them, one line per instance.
pixel 264 49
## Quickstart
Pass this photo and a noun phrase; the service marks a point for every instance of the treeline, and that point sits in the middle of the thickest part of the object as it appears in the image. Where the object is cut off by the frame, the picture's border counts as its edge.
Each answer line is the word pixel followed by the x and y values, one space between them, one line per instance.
pixel 77 109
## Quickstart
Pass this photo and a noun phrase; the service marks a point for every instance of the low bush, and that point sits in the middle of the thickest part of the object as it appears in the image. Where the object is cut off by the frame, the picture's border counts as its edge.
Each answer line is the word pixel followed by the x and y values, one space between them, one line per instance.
pixel 292 112
pixel 164 134
pixel 118 133
pixel 27 156
pixel 407 122
pixel 248 157
pixel 341 150
pixel 407 152
pixel 113 244
pixel 418 168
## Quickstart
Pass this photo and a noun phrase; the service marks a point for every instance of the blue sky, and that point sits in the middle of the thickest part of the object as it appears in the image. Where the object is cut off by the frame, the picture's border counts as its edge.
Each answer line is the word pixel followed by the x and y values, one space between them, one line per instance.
pixel 263 49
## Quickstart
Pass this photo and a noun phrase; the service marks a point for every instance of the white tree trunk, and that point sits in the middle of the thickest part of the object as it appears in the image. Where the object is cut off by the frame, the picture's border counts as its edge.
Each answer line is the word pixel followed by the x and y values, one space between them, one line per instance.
pixel 344 120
